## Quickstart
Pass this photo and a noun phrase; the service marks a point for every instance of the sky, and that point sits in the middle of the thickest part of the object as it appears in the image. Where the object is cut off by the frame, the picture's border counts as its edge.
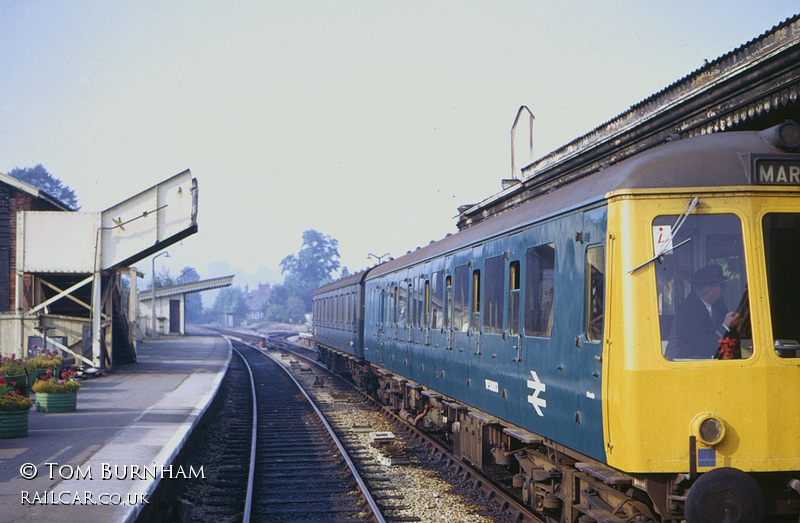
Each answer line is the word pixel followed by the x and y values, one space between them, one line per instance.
pixel 368 121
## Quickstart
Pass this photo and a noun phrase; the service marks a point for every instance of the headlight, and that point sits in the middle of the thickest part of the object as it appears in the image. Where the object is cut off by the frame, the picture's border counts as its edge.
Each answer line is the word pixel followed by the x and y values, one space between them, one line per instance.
pixel 708 428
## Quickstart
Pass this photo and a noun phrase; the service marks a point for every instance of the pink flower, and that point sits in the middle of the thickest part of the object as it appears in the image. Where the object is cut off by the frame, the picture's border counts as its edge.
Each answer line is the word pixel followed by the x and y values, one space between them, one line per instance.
pixel 49 372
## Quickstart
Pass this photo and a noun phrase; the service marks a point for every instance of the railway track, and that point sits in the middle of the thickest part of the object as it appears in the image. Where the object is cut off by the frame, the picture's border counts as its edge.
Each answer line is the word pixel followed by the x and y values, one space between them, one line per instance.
pixel 411 476
pixel 293 469
pixel 409 445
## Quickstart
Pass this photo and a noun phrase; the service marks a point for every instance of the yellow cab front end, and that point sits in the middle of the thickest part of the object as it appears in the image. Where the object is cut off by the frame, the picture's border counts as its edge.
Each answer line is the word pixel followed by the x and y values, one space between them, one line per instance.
pixel 702 362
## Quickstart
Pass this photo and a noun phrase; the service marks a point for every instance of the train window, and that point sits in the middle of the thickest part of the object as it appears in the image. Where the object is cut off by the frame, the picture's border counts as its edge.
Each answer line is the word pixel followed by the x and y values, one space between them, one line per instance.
pixel 476 300
pixel 513 298
pixel 702 288
pixel 427 303
pixel 402 304
pixel 448 299
pixel 493 295
pixel 595 285
pixel 419 309
pixel 461 298
pixel 436 300
pixel 539 290
pixel 412 302
pixel 782 250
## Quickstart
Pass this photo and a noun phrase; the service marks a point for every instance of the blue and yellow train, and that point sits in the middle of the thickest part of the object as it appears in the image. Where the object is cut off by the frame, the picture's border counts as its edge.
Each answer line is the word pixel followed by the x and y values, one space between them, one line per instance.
pixel 626 345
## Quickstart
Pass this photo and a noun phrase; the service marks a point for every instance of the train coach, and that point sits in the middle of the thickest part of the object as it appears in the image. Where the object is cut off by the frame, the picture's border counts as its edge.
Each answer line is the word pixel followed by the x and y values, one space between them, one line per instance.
pixel 625 344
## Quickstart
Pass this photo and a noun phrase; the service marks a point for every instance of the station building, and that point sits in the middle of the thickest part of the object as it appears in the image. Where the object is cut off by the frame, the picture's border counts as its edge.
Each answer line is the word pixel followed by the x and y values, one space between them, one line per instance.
pixel 170 306
pixel 67 279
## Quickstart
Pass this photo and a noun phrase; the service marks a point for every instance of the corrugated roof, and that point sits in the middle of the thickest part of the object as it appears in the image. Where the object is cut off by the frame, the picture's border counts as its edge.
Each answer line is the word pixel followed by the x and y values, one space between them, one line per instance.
pixel 187 288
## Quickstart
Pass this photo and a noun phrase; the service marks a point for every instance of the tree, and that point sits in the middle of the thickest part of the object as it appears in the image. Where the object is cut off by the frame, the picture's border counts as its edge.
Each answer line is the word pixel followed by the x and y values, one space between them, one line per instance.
pixel 193 301
pixel 313 266
pixel 230 300
pixel 284 306
pixel 38 177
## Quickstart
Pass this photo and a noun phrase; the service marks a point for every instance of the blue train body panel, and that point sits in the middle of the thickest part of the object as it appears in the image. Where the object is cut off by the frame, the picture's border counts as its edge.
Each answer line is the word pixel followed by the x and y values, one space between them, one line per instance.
pixel 538 369
pixel 338 315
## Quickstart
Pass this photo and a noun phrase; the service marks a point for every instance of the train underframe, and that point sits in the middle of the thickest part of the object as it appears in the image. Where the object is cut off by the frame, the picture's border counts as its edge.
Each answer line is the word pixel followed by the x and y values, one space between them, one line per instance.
pixel 559 484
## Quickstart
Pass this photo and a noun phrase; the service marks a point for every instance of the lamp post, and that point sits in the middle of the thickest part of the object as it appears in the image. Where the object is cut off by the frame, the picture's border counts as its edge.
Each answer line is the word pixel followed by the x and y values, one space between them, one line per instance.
pixel 153 288
pixel 379 258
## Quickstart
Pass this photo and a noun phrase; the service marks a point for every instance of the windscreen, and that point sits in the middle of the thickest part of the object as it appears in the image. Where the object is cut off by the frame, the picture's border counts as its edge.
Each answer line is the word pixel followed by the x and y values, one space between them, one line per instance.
pixel 782 251
pixel 702 288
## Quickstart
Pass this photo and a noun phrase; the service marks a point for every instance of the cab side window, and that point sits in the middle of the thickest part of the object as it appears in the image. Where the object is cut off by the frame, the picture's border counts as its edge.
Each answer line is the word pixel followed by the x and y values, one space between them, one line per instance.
pixel 595 292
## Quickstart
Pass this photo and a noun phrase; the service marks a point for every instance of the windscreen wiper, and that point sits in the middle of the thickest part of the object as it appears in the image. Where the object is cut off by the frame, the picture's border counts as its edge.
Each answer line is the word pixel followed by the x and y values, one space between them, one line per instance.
pixel 667 246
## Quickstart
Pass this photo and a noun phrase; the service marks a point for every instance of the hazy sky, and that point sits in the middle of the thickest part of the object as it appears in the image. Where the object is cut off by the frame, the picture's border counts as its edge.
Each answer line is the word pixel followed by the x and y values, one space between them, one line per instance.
pixel 369 121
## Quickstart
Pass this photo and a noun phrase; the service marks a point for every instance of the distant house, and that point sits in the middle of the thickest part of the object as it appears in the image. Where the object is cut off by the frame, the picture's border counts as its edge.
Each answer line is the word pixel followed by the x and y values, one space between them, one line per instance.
pixel 256 301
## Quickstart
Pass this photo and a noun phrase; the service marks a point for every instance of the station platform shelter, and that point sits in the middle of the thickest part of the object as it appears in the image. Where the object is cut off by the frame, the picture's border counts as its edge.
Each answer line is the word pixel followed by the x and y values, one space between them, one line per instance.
pixel 170 306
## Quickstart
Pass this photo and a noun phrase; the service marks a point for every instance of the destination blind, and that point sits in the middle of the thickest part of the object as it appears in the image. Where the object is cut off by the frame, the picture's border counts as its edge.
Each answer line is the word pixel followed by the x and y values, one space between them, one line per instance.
pixel 776 170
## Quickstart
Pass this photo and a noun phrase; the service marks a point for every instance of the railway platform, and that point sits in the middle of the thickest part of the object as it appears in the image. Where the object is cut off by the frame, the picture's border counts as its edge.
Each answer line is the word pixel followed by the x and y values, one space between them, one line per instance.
pixel 103 462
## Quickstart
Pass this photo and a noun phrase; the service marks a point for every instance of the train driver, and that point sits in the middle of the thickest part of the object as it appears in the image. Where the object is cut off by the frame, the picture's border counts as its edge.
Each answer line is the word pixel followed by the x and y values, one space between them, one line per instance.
pixel 703 319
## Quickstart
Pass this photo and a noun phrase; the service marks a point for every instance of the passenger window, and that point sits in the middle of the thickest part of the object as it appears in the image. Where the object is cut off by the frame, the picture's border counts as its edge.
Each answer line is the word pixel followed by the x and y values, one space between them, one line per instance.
pixel 447 302
pixel 411 317
pixel 413 292
pixel 476 301
pixel 461 306
pixel 782 250
pixel 493 295
pixel 539 290
pixel 702 288
pixel 437 301
pixel 595 291
pixel 419 310
pixel 427 305
pixel 513 298
pixel 401 302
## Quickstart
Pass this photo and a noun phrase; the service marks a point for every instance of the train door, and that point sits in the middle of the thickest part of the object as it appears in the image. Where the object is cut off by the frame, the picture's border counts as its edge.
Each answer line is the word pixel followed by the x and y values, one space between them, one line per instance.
pixel 380 317
pixel 511 354
pixel 591 340
pixel 438 329
pixel 543 252
pixel 464 340
pixel 496 372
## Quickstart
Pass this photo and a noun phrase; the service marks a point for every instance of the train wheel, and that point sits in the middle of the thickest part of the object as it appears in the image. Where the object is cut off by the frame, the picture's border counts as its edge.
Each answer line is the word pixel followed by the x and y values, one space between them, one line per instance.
pixel 724 495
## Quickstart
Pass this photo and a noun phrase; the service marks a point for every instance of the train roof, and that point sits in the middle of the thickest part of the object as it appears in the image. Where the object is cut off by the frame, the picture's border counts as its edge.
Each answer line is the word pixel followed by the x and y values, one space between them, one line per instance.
pixel 752 87
pixel 715 160
pixel 347 281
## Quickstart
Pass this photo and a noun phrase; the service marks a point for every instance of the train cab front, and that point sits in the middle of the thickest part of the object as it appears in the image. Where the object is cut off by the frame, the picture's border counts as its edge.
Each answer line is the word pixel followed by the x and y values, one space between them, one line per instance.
pixel 703 359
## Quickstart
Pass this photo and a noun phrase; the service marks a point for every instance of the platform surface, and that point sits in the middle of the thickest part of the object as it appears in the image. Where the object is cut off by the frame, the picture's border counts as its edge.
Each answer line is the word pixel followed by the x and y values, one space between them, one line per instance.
pixel 128 427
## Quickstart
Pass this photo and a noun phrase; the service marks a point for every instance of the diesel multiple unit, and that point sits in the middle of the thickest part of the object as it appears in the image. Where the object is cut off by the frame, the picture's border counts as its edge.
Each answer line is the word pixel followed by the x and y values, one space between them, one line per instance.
pixel 557 339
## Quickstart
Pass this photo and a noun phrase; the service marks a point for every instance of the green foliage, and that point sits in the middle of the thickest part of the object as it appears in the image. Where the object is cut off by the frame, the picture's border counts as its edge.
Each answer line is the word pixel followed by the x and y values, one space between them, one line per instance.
pixel 38 177
pixel 313 266
pixel 10 398
pixel 194 302
pixel 14 403
pixel 230 300
pixel 50 384
pixel 11 366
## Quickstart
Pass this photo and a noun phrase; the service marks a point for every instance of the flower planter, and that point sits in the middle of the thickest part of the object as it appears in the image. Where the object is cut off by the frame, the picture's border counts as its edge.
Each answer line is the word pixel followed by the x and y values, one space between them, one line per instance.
pixel 35 374
pixel 14 424
pixel 56 401
pixel 21 381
